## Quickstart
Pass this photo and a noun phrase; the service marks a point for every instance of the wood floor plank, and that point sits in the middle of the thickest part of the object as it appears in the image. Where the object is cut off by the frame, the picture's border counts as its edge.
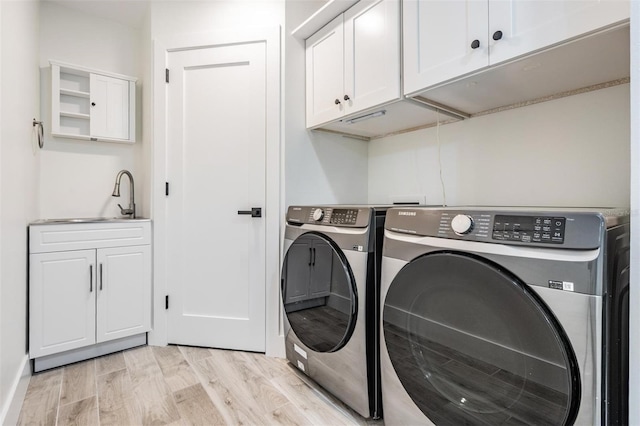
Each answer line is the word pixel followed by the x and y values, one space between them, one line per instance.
pixel 316 405
pixel 40 406
pixel 153 396
pixel 269 367
pixel 110 363
pixel 193 354
pixel 116 399
pixel 155 402
pixel 175 368
pixel 245 379
pixel 233 408
pixel 79 413
pixel 287 415
pixel 142 365
pixel 196 408
pixel 78 382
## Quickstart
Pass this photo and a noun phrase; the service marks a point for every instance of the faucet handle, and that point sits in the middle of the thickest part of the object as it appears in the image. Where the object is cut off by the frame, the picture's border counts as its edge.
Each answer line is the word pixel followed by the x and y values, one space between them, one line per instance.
pixel 124 211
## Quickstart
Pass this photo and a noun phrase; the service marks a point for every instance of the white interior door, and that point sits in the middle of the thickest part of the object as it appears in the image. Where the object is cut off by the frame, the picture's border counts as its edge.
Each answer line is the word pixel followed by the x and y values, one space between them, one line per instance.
pixel 216 127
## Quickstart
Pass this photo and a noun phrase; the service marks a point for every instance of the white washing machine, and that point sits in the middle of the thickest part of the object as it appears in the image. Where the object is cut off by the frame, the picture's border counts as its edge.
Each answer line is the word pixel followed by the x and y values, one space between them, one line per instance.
pixel 330 293
pixel 505 316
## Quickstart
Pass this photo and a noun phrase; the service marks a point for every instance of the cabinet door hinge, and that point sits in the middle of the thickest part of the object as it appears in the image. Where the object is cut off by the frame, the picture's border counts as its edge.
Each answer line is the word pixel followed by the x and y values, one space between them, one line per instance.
pixel 166 189
pixel 166 302
pixel 166 74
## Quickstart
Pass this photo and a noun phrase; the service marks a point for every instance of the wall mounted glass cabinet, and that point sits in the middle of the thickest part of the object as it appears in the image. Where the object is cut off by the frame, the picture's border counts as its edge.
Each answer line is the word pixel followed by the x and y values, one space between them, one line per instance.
pixel 92 105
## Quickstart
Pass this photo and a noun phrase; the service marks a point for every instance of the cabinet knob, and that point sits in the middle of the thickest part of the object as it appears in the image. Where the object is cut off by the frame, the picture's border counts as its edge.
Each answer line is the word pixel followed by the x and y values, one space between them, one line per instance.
pixel 346 97
pixel 475 44
pixel 497 35
pixel 93 104
pixel 337 101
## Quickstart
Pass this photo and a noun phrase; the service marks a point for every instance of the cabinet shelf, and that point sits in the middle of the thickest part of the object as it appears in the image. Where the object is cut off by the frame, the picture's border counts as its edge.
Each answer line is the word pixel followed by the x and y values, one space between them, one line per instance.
pixel 75 93
pixel 75 115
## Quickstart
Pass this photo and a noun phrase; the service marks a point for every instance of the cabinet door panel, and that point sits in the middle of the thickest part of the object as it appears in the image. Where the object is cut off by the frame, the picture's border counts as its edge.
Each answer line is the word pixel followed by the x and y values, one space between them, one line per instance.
pixel 437 40
pixel 372 54
pixel 324 73
pixel 529 25
pixel 124 292
pixel 297 271
pixel 110 114
pixel 321 269
pixel 62 308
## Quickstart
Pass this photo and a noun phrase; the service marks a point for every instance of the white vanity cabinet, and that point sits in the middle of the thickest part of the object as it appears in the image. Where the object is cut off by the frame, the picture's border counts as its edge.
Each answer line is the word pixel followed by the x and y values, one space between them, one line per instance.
pixel 89 289
pixel 445 39
pixel 353 62
pixel 92 105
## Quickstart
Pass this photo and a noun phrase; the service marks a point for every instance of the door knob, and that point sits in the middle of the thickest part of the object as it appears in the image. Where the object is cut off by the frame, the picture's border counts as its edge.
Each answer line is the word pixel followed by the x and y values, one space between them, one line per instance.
pixel 254 212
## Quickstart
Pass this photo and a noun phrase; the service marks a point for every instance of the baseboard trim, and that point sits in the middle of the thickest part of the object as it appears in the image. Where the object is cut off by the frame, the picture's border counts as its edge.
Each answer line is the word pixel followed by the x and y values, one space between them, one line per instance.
pixel 13 404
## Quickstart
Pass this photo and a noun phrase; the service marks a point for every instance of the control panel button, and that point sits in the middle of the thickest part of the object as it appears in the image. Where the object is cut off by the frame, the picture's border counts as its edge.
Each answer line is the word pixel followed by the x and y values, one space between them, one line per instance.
pixel 318 214
pixel 462 224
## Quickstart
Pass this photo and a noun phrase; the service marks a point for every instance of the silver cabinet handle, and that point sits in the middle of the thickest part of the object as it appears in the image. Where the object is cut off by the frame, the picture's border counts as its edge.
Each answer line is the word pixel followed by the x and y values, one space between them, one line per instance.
pixel 101 277
pixel 90 278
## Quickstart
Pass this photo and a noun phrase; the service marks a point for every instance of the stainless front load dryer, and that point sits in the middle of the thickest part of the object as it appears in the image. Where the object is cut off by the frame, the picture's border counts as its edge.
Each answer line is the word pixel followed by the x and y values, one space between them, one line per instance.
pixel 505 316
pixel 330 291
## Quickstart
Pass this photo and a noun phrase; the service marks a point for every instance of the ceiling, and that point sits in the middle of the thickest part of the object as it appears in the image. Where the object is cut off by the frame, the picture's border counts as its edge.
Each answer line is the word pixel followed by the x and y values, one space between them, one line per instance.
pixel 130 13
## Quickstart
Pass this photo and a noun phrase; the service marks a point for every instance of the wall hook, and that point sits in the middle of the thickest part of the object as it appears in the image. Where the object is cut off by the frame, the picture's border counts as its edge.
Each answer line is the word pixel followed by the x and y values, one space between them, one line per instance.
pixel 40 132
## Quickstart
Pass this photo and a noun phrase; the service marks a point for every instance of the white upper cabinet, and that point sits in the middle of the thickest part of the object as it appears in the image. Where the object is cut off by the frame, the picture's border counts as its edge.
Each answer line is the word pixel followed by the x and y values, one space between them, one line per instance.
pixel 443 39
pixel 353 63
pixel 92 105
pixel 447 39
pixel 517 27
pixel 325 73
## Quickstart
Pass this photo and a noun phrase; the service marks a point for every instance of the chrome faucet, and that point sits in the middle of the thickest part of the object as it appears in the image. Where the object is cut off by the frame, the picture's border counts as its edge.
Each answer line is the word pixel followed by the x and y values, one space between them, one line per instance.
pixel 116 193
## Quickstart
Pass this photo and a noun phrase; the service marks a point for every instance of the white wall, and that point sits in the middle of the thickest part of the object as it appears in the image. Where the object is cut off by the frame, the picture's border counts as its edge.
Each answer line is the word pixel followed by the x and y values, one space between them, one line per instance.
pixel 568 152
pixel 189 17
pixel 320 168
pixel 19 182
pixel 77 177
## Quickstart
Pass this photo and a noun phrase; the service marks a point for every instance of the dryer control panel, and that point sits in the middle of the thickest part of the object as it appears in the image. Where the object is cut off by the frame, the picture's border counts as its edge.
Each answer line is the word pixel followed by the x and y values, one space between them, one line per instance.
pixel 559 228
pixel 537 229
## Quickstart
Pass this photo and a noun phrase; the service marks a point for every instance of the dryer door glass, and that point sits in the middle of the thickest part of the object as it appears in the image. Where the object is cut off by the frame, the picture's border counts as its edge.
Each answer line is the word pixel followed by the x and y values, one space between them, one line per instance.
pixel 319 293
pixel 471 343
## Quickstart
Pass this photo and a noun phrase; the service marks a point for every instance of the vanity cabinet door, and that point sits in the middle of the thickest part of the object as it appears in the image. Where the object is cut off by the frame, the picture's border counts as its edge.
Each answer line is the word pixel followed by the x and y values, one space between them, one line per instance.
pixel 123 292
pixel 62 313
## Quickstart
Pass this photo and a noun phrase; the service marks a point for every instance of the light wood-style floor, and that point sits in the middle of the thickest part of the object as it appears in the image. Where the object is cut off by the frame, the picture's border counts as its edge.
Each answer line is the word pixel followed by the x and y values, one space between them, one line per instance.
pixel 179 385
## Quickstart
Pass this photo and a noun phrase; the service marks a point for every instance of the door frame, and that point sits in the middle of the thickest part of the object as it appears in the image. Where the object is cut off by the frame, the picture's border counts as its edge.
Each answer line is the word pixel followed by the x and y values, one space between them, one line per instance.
pixel 273 209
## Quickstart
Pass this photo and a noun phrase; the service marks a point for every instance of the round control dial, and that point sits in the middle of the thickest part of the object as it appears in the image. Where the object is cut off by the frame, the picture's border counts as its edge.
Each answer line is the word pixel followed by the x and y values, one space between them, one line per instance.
pixel 462 224
pixel 318 214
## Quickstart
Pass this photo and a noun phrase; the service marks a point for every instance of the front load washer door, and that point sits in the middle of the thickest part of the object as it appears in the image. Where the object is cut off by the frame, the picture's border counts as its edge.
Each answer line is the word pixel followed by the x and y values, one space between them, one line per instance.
pixel 319 293
pixel 472 344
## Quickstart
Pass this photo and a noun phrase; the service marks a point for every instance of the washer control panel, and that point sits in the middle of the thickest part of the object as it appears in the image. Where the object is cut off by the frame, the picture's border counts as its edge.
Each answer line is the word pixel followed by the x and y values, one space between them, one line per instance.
pixel 453 224
pixel 536 229
pixel 357 217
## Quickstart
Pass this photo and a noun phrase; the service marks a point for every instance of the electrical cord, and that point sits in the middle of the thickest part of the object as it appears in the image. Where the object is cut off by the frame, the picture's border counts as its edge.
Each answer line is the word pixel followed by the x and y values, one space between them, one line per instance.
pixel 444 193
